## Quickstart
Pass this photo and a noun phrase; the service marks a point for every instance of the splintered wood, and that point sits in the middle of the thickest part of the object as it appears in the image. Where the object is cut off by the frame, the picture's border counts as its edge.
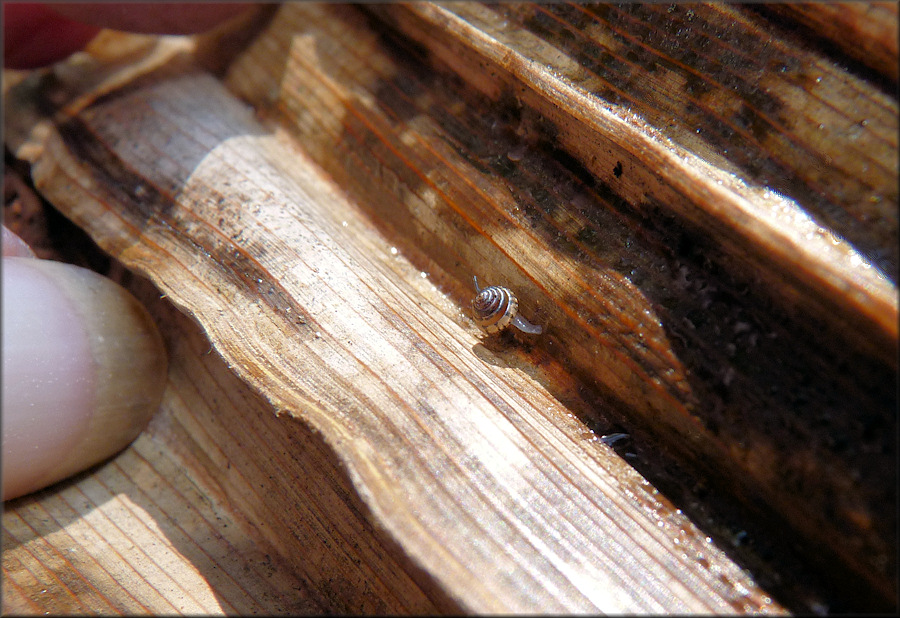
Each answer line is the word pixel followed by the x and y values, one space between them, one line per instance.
pixel 317 213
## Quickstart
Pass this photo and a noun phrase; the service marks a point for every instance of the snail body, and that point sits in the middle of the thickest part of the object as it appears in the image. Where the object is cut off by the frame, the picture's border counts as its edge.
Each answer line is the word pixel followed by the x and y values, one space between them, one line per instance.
pixel 496 307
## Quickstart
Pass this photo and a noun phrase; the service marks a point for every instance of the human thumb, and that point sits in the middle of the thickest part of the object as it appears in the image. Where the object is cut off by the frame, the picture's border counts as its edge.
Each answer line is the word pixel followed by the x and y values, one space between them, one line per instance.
pixel 84 368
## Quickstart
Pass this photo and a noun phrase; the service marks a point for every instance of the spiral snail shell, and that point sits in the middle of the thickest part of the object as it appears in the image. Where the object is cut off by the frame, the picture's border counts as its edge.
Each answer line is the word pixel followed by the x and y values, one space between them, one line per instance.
pixel 496 307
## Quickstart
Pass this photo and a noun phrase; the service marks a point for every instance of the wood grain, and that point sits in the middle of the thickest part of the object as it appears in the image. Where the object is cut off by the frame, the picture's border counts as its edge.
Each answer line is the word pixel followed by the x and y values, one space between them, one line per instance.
pixel 864 31
pixel 467 462
pixel 698 301
pixel 719 286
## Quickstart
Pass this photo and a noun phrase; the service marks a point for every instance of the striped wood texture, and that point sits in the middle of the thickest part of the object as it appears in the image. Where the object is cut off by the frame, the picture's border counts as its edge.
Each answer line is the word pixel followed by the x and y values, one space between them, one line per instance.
pixel 699 207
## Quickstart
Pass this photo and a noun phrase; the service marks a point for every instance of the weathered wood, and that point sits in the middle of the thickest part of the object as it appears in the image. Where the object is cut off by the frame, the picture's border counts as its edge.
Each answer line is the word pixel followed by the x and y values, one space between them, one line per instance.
pixel 713 308
pixel 663 132
pixel 866 32
pixel 716 294
pixel 484 481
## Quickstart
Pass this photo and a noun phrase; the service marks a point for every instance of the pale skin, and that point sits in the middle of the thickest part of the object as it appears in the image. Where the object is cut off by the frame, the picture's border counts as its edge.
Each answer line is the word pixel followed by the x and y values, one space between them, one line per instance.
pixel 62 326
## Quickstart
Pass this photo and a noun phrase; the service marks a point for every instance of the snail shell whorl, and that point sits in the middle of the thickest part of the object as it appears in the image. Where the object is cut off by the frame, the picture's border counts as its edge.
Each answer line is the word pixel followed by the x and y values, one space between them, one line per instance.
pixel 495 307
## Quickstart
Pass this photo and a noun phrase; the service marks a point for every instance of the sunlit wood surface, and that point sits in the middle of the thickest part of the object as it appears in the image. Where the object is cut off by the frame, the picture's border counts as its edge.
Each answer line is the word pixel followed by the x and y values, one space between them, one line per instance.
pixel 699 204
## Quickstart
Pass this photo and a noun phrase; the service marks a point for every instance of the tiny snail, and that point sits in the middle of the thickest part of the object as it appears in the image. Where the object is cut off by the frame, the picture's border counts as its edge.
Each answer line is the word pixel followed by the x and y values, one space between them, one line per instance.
pixel 496 308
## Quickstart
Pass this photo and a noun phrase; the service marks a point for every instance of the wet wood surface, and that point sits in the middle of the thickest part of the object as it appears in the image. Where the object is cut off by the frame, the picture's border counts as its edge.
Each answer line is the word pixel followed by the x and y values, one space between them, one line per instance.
pixel 703 219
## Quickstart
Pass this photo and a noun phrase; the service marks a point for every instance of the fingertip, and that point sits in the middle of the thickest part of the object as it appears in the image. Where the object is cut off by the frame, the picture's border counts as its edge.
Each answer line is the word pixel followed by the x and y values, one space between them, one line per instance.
pixel 84 369
pixel 13 246
pixel 153 17
pixel 35 35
